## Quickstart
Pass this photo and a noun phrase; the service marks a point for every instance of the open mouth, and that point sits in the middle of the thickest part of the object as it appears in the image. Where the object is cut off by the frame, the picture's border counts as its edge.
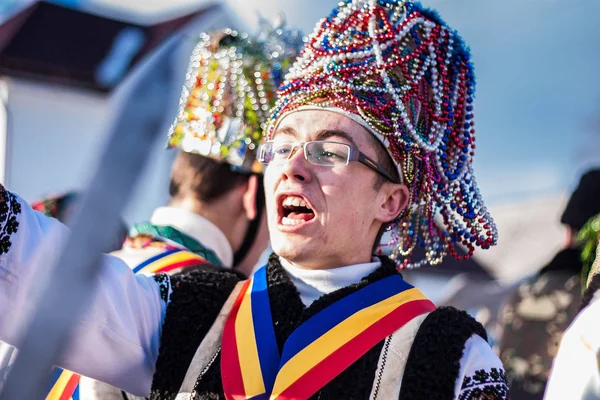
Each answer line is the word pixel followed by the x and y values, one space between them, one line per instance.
pixel 294 210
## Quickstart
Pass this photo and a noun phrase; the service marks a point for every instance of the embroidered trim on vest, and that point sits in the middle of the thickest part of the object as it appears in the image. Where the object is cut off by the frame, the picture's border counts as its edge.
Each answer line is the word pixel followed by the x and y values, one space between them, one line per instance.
pixel 164 285
pixel 9 209
pixel 484 384
pixel 434 360
pixel 195 302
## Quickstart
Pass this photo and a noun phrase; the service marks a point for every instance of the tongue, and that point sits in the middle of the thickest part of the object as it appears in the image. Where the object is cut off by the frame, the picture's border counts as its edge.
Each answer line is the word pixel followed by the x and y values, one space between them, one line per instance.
pixel 301 216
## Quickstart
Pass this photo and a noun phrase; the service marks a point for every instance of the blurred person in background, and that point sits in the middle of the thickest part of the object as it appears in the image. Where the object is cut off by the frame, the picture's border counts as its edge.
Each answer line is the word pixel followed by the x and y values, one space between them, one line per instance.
pixel 540 309
pixel 215 218
pixel 576 369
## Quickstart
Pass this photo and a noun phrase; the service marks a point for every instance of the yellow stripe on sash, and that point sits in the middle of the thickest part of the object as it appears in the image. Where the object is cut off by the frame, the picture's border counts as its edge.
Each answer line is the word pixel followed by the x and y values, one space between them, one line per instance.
pixel 329 342
pixel 247 350
pixel 171 259
pixel 60 385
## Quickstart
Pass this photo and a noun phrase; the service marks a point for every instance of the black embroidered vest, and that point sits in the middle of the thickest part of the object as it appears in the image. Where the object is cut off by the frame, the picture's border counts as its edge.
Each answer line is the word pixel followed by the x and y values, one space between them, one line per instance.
pixel 432 366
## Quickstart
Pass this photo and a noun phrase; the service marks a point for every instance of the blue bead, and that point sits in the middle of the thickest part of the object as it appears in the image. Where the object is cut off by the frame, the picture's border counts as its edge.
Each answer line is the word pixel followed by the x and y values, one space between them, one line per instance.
pixel 469 99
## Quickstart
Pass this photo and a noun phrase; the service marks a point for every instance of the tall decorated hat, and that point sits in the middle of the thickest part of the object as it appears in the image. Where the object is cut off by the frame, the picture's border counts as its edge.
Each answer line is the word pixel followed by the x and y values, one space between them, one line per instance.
pixel 229 89
pixel 401 72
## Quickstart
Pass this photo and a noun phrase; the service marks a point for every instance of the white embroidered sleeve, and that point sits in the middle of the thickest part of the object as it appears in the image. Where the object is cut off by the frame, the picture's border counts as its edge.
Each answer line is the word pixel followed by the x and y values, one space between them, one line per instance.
pixel 117 335
pixel 481 374
pixel 576 368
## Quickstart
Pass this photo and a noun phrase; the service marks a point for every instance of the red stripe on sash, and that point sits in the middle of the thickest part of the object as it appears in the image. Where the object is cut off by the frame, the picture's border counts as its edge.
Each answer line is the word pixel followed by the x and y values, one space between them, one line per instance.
pixel 70 387
pixel 315 379
pixel 181 264
pixel 231 373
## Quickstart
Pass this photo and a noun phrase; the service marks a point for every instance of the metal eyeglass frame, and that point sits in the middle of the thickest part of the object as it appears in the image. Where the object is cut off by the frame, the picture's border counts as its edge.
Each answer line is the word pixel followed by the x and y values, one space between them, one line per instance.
pixel 353 155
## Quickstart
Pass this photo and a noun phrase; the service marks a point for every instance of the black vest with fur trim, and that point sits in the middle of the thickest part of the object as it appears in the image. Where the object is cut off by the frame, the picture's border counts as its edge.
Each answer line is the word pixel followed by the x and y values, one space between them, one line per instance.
pixel 431 371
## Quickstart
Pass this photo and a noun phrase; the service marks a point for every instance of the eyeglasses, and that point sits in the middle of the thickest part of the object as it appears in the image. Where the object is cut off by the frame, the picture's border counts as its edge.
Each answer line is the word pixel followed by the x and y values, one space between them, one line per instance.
pixel 319 152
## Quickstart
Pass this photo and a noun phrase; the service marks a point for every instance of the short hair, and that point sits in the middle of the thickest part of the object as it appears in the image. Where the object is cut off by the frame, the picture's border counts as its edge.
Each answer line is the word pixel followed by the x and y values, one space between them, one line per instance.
pixel 383 158
pixel 202 178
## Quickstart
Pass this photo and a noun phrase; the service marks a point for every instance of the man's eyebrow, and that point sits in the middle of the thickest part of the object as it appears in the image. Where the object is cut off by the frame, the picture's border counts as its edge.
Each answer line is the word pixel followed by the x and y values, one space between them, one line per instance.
pixel 286 130
pixel 329 133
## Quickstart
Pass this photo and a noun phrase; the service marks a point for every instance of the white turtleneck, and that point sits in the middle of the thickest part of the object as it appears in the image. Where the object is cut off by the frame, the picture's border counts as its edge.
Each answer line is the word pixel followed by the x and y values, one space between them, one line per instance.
pixel 312 284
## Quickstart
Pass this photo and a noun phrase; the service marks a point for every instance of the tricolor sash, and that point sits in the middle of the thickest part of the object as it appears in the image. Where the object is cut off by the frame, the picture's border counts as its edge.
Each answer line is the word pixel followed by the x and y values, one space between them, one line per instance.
pixel 319 349
pixel 64 386
pixel 169 261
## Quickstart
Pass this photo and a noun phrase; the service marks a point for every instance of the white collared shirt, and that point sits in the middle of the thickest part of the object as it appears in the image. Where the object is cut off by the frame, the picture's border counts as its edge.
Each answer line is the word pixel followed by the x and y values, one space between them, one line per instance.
pixel 198 227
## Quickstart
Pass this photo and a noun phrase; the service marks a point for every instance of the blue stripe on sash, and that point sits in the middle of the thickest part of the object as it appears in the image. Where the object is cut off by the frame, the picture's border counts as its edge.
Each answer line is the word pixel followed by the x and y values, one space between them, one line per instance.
pixel 266 343
pixel 155 258
pixel 54 375
pixel 326 319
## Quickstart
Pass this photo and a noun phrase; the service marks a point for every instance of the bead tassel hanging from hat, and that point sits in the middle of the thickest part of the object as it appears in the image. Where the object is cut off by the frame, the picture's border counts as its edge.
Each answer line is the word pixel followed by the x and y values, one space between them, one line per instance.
pixel 409 76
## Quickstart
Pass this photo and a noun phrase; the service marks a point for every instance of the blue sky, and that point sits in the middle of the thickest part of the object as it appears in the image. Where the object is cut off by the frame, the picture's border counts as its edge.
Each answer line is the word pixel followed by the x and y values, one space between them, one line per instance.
pixel 538 91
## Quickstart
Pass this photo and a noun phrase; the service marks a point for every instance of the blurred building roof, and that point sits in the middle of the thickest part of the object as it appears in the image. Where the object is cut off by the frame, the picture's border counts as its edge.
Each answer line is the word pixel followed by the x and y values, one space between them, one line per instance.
pixel 53 43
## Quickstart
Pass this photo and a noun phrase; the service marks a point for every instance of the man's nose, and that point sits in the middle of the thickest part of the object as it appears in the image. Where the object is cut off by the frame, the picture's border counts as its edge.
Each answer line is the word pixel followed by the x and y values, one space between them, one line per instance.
pixel 296 167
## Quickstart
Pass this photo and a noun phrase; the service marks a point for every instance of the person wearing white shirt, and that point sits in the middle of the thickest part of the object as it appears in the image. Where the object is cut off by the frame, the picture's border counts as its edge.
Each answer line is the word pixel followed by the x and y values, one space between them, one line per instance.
pixel 576 368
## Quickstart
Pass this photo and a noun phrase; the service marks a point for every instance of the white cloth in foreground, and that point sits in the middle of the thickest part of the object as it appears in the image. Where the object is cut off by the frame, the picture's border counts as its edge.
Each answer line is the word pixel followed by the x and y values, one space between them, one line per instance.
pixel 576 369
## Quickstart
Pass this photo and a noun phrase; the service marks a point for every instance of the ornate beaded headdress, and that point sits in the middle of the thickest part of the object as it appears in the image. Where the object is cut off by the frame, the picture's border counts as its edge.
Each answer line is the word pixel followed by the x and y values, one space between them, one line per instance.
pixel 406 76
pixel 230 87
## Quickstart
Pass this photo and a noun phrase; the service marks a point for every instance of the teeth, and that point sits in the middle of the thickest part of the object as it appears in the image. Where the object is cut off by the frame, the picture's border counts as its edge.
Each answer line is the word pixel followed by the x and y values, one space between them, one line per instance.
pixel 289 221
pixel 294 202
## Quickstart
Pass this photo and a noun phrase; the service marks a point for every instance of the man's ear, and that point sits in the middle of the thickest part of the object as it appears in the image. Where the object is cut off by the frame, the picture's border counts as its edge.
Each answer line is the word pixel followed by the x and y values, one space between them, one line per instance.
pixel 393 199
pixel 249 197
